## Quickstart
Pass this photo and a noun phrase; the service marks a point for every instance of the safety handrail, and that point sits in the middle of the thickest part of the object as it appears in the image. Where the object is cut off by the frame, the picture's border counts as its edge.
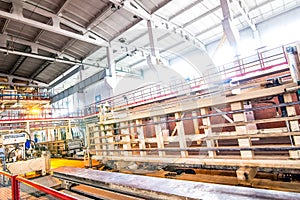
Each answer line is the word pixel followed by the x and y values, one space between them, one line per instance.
pixel 45 189
pixel 15 187
pixel 264 60
pixel 10 94
pixel 244 67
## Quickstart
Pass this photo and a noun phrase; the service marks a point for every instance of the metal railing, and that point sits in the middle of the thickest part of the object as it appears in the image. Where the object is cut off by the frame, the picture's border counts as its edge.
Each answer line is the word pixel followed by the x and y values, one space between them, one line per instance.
pixel 12 183
pixel 270 60
pixel 15 95
pixel 264 61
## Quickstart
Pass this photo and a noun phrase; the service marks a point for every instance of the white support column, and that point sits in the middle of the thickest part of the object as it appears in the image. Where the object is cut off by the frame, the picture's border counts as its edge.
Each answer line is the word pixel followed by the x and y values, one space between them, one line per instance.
pixel 230 30
pixel 181 135
pixel 18 8
pixel 159 136
pixel 49 135
pixel 152 39
pixel 111 62
pixel 208 132
pixel 141 137
pixel 45 135
pixel 87 136
pixel 112 78
pixel 154 58
pixel 196 125
pixel 58 133
pixel 69 131
pixel 79 102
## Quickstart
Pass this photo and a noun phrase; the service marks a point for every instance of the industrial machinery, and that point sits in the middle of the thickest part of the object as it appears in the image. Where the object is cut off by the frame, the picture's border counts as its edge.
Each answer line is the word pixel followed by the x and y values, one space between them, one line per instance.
pixel 22 155
pixel 248 121
pixel 63 148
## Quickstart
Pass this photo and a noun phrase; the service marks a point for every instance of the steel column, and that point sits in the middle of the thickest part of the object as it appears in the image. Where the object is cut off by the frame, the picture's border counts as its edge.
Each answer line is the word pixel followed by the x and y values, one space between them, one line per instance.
pixel 230 30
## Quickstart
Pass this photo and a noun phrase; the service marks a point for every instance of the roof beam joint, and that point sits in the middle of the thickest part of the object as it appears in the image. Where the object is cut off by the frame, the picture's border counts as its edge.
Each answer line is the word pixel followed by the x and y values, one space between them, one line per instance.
pixel 16 16
pixel 243 9
pixel 134 8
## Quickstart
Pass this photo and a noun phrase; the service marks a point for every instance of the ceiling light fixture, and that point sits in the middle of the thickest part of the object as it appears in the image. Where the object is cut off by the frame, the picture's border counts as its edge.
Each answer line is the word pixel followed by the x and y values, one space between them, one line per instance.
pixel 122 40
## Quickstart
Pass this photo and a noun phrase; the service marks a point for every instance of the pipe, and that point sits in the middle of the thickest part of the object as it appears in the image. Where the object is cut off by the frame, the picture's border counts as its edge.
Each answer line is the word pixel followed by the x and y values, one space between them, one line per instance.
pixel 69 62
pixel 286 148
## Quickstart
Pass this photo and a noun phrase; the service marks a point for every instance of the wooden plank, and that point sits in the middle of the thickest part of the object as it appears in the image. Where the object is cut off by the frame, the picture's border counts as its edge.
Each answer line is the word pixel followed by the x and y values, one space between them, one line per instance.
pixel 240 117
pixel 126 139
pixel 141 137
pixel 196 125
pixel 259 121
pixel 192 104
pixel 103 140
pixel 265 162
pixel 208 132
pixel 252 135
pixel 181 135
pixel 159 136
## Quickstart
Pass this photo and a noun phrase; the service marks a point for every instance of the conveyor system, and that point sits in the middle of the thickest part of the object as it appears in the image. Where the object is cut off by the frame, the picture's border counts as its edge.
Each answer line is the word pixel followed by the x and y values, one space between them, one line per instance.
pixel 160 188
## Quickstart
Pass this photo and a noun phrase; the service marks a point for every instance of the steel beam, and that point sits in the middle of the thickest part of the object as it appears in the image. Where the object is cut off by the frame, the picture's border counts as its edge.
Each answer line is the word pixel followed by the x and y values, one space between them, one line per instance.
pixel 101 15
pixel 6 23
pixel 79 86
pixel 40 69
pixel 32 6
pixel 172 46
pixel 111 62
pixel 60 9
pixel 62 6
pixel 73 25
pixel 201 16
pixel 188 7
pixel 17 15
pixel 73 72
pixel 232 33
pixel 212 27
pixel 35 46
pixel 134 8
pixel 32 82
pixel 243 9
pixel 46 58
pixel 224 115
pixel 19 62
pixel 124 29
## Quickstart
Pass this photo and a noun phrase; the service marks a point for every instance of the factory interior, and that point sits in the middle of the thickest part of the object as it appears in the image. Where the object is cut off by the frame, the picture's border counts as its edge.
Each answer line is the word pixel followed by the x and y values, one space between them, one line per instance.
pixel 149 99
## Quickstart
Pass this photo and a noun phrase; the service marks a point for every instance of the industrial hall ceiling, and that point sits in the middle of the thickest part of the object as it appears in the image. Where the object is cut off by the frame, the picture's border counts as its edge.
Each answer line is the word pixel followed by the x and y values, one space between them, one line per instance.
pixel 42 39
